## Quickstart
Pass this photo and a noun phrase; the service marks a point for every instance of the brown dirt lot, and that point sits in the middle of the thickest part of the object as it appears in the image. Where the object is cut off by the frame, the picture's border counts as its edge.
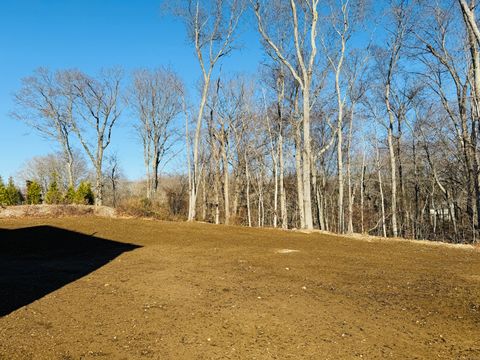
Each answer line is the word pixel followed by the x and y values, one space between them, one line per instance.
pixel 96 288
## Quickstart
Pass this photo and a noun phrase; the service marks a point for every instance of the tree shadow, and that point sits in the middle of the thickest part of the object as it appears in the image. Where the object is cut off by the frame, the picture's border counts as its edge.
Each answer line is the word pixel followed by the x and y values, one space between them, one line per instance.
pixel 37 260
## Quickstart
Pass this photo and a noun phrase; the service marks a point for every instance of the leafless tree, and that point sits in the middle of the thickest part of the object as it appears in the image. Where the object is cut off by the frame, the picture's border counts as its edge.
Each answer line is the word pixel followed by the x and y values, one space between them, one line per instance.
pixel 42 105
pixel 114 174
pixel 344 18
pixel 394 118
pixel 304 20
pixel 43 169
pixel 211 27
pixel 387 66
pixel 156 98
pixel 97 110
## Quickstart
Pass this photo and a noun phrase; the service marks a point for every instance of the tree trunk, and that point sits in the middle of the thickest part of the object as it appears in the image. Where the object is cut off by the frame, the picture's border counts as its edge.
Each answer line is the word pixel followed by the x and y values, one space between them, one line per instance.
pixel 341 219
pixel 362 193
pixel 247 178
pixel 382 198
pixel 307 154
pixel 204 198
pixel 216 190
pixel 349 174
pixel 393 182
pixel 393 166
pixel 324 202
pixel 283 195
pixel 403 206
pixel 147 172
pixel 156 162
pixel 472 29
pixel 298 168
pixel 98 185
pixel 237 191
pixel 316 191
pixel 417 190
pixel 275 195
pixel 191 201
pixel 192 206
pixel 70 164
pixel 226 180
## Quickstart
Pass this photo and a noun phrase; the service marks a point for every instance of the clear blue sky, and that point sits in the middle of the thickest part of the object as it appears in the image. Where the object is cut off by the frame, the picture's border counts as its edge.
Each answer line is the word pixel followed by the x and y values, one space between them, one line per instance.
pixel 89 35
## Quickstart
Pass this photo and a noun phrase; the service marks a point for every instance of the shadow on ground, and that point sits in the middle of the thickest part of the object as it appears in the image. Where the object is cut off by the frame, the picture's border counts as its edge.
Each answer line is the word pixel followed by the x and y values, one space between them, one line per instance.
pixel 35 261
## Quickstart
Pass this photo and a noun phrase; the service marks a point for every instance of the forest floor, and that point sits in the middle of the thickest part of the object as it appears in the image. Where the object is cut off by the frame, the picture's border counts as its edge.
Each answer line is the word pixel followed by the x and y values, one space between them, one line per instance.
pixel 99 288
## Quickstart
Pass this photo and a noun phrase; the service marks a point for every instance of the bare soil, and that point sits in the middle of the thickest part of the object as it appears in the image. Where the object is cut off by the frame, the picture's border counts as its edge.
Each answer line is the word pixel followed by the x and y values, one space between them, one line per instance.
pixel 100 288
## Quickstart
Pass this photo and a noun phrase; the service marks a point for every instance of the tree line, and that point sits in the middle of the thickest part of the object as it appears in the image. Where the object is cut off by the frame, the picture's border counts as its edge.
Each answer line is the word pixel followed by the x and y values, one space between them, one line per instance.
pixel 362 118
pixel 11 195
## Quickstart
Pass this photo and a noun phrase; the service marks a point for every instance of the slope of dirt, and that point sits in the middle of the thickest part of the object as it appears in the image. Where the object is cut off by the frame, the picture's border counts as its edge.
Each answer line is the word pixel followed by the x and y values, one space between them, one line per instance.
pixel 199 291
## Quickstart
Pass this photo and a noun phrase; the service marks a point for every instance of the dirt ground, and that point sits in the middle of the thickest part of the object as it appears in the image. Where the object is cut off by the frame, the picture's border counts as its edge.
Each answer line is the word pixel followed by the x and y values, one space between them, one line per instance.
pixel 96 288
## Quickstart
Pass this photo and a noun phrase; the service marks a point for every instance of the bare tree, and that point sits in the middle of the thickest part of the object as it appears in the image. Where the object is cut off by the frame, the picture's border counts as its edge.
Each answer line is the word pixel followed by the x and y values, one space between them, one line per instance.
pixel 280 89
pixel 305 54
pixel 380 187
pixel 42 105
pixel 243 137
pixel 473 37
pixel 156 98
pixel 388 62
pixel 97 109
pixel 43 169
pixel 211 28
pixel 290 149
pixel 114 174
pixel 343 21
pixel 468 12
pixel 447 68
pixel 233 96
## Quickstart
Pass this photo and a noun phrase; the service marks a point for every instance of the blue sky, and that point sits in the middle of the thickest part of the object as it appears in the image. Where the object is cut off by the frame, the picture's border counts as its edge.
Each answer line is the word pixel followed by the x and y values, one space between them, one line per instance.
pixel 89 35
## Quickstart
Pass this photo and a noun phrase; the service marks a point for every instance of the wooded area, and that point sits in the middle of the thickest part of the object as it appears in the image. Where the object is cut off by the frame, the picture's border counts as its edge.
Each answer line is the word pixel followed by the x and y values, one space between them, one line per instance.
pixel 362 118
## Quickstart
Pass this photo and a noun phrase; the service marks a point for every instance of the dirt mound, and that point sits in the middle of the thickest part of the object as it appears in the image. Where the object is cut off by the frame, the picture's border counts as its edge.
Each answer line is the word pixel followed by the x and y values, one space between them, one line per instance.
pixel 55 211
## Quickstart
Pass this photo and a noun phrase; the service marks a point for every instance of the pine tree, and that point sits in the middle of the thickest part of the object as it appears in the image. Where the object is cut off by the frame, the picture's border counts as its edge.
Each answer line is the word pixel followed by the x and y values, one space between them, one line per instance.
pixel 69 196
pixel 12 196
pixel 53 195
pixel 84 194
pixel 3 198
pixel 34 193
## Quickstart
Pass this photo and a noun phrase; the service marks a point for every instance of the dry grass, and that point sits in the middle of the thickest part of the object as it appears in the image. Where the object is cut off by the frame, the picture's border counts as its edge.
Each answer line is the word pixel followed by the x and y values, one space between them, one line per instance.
pixel 371 238
pixel 49 211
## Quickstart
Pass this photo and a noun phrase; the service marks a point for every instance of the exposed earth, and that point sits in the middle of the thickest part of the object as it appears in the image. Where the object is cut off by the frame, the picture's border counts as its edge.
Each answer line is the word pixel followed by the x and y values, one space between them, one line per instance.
pixel 100 288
